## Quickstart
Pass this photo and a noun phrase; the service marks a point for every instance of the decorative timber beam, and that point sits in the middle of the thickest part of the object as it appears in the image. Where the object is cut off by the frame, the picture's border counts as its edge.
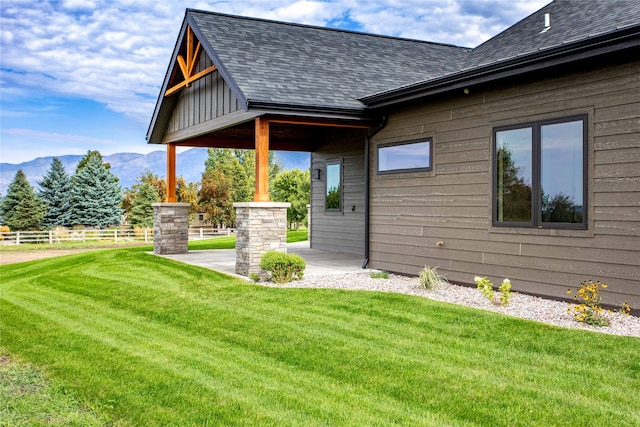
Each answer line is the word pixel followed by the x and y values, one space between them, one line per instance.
pixel 262 161
pixel 171 173
pixel 188 65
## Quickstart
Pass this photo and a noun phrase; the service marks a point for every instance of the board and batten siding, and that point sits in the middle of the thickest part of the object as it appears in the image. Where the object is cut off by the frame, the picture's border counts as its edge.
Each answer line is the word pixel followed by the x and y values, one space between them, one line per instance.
pixel 339 231
pixel 411 212
pixel 208 98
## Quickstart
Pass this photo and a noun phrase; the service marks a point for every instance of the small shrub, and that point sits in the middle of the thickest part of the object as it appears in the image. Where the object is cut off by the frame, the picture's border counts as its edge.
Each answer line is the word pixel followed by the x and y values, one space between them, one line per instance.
pixel 485 287
pixel 505 292
pixel 283 267
pixel 379 274
pixel 430 278
pixel 589 310
pixel 254 277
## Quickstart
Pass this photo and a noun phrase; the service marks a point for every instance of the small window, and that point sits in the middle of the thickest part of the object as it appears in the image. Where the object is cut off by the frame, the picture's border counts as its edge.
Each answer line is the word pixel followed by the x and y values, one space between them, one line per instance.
pixel 539 177
pixel 409 156
pixel 334 187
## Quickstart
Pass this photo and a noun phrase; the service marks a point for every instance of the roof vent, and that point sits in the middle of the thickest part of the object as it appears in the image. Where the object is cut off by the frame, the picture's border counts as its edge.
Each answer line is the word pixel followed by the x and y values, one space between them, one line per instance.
pixel 547 23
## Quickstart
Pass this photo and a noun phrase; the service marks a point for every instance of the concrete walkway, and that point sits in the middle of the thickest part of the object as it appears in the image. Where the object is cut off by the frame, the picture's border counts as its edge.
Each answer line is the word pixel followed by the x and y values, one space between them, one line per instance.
pixel 318 262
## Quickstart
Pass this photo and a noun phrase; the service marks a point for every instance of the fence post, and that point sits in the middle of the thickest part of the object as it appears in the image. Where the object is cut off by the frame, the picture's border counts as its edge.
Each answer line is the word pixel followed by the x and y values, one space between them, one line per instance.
pixel 201 234
pixel 17 237
pixel 51 237
pixel 84 236
pixel 115 235
pixel 145 235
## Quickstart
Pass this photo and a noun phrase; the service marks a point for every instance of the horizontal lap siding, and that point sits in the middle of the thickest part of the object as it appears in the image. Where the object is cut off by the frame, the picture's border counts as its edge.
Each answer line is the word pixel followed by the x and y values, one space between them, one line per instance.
pixel 206 99
pixel 339 231
pixel 410 213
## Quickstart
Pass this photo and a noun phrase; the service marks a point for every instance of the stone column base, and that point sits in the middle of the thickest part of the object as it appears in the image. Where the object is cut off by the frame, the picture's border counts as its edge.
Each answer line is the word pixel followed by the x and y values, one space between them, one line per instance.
pixel 170 228
pixel 260 227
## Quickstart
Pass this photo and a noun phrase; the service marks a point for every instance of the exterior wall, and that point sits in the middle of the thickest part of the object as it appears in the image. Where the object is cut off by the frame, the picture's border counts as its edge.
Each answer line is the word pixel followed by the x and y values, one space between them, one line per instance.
pixel 411 212
pixel 339 231
pixel 208 98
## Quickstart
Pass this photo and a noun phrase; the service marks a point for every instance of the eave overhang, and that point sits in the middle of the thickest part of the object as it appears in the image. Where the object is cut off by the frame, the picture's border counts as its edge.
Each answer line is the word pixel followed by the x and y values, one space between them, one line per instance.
pixel 617 41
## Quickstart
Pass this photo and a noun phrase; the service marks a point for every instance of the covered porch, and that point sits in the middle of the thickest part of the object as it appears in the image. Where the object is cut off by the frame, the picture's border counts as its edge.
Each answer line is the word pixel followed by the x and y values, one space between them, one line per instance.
pixel 319 262
pixel 204 103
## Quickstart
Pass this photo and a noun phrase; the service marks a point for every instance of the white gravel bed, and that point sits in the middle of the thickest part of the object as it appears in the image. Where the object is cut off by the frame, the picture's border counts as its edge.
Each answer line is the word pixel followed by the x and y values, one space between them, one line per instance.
pixel 523 306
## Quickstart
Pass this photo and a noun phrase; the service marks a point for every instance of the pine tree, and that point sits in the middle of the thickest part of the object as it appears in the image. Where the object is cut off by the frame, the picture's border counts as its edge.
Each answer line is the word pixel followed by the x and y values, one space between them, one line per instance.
pixel 55 192
pixel 142 212
pixel 96 195
pixel 22 209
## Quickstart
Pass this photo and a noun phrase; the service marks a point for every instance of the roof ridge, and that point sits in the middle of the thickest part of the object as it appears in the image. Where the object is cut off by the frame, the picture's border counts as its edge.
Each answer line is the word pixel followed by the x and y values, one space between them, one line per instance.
pixel 332 29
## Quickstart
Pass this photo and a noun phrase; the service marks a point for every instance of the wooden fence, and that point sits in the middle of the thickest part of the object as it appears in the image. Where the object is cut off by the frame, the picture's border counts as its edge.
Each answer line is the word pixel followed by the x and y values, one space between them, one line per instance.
pixel 59 236
pixel 205 232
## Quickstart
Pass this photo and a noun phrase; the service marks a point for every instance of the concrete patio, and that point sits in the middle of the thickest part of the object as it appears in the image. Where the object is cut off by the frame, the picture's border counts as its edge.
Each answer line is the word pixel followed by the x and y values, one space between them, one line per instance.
pixel 318 262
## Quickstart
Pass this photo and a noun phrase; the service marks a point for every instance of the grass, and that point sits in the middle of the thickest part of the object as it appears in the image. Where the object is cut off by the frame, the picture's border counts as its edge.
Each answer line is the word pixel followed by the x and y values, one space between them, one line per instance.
pixel 230 242
pixel 141 340
pixel 27 399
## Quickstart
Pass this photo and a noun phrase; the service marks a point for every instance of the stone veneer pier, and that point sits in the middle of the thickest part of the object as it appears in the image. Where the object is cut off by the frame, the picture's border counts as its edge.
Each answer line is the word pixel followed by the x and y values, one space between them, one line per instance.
pixel 171 228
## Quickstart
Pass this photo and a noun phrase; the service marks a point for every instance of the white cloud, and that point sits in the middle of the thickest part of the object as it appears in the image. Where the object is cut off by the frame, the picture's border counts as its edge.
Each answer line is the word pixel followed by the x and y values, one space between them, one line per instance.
pixel 117 51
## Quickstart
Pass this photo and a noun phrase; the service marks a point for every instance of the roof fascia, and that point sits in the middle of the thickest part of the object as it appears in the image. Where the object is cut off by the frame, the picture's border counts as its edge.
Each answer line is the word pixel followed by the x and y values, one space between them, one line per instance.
pixel 593 47
pixel 151 131
pixel 311 111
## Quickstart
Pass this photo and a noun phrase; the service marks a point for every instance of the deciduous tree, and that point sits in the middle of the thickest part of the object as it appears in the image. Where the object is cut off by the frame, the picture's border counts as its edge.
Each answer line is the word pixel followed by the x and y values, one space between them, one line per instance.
pixel 293 186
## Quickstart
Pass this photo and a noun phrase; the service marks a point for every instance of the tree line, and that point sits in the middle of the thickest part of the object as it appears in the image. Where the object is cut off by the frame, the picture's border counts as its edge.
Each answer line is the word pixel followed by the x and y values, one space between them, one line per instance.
pixel 92 196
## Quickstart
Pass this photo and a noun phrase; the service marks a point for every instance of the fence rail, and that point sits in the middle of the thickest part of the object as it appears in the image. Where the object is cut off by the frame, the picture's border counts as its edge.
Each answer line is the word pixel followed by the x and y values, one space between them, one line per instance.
pixel 205 232
pixel 59 236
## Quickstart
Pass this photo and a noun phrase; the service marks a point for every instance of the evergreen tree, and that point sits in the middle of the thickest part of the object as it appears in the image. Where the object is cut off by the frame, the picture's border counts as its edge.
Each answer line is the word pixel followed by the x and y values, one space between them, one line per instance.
pixel 55 192
pixel 96 195
pixel 22 209
pixel 142 212
pixel 85 160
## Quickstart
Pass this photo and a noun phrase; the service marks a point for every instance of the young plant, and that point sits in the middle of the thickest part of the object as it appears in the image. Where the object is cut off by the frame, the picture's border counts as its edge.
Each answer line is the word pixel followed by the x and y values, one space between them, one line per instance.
pixel 379 274
pixel 254 277
pixel 505 292
pixel 283 267
pixel 589 310
pixel 430 278
pixel 485 287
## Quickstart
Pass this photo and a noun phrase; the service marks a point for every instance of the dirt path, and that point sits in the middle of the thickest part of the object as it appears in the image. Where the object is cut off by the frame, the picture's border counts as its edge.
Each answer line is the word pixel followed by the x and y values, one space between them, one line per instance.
pixel 22 256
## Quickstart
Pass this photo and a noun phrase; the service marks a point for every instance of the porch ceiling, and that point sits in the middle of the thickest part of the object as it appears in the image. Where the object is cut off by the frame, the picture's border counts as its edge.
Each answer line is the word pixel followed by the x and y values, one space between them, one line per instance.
pixel 283 136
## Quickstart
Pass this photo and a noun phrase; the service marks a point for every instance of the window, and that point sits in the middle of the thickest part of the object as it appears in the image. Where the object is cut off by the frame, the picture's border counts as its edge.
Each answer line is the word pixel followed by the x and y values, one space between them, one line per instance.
pixel 539 176
pixel 334 187
pixel 407 156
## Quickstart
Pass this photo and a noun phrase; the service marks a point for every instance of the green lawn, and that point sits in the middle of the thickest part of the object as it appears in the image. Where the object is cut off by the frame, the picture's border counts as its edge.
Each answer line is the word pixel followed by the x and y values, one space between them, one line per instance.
pixel 141 340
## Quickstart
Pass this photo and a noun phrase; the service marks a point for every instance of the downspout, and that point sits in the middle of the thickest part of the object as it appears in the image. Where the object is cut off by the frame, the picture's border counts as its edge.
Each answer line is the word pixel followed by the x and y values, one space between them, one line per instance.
pixel 371 133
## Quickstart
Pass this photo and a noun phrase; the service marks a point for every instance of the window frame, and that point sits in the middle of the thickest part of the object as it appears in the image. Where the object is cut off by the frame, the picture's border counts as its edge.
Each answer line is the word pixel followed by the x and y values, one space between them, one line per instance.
pixel 536 175
pixel 326 186
pixel 405 170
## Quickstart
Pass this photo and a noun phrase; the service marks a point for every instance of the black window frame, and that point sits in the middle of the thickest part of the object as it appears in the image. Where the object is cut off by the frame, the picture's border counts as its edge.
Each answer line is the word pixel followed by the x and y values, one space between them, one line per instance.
pixel 406 170
pixel 536 175
pixel 326 186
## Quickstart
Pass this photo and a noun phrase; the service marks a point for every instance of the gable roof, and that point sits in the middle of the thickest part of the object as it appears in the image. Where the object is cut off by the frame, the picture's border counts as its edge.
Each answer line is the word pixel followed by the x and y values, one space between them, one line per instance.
pixel 578 30
pixel 299 69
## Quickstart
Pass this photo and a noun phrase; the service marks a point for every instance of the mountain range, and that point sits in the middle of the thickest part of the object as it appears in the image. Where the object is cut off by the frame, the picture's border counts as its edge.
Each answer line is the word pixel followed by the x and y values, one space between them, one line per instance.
pixel 129 166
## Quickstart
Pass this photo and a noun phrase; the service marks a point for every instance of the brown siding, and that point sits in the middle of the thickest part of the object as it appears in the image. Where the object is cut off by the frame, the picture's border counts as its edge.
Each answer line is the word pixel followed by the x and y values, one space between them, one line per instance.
pixel 452 204
pixel 208 98
pixel 339 231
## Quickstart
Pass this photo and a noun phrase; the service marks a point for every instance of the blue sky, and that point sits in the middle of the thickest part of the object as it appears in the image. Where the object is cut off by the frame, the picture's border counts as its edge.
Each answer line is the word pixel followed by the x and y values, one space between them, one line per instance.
pixel 80 75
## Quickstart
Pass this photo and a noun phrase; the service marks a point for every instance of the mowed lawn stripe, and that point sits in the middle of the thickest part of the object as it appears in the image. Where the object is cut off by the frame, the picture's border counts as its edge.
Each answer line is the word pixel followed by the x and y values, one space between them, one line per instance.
pixel 146 340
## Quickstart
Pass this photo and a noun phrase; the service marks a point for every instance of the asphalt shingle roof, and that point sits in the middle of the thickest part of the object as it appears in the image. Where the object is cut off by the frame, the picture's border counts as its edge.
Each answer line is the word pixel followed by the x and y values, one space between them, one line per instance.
pixel 571 21
pixel 291 64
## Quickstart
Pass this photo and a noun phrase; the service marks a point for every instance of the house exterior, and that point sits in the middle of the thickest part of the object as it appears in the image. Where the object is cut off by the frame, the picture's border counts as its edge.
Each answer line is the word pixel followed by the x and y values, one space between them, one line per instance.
pixel 519 158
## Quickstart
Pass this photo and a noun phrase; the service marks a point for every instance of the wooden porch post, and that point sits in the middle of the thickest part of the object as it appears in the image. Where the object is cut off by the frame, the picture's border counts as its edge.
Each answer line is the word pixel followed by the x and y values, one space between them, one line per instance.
pixel 262 161
pixel 171 173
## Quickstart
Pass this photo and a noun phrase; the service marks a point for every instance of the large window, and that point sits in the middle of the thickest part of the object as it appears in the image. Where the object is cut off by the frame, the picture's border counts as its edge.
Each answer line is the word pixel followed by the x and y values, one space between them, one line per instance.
pixel 539 175
pixel 409 156
pixel 334 187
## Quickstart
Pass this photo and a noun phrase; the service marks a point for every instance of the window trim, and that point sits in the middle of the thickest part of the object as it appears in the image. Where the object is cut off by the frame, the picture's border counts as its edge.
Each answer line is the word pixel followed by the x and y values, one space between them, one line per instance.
pixel 406 170
pixel 536 175
pixel 326 184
